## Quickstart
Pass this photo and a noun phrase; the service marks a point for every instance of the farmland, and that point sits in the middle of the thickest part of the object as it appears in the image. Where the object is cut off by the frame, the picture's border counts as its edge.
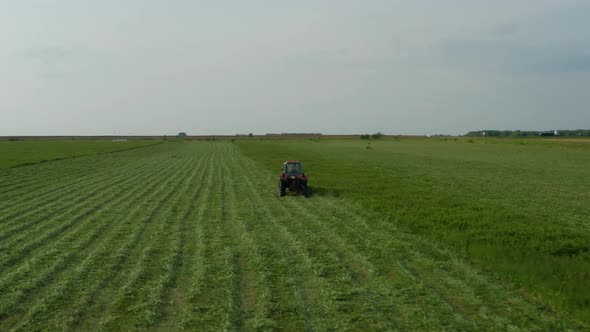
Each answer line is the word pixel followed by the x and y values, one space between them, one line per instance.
pixel 16 153
pixel 398 235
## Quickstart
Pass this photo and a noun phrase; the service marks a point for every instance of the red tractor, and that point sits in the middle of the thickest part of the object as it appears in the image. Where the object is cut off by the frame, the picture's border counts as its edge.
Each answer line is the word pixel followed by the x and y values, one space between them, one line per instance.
pixel 293 179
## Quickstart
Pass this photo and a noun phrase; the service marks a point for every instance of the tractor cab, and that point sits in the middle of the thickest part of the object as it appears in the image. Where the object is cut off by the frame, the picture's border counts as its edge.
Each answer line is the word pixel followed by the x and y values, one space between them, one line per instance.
pixel 293 179
pixel 292 168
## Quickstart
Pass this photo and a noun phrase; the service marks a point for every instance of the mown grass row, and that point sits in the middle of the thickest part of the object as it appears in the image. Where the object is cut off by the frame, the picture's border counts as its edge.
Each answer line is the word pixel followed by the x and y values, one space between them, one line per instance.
pixel 137 260
pixel 28 233
pixel 286 272
pixel 189 269
pixel 20 224
pixel 64 253
pixel 207 299
pixel 50 194
pixel 51 190
pixel 251 293
pixel 146 279
pixel 44 177
pixel 32 152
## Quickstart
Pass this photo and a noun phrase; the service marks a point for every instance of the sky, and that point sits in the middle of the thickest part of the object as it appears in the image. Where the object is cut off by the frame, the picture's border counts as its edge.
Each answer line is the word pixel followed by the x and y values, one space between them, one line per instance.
pixel 154 67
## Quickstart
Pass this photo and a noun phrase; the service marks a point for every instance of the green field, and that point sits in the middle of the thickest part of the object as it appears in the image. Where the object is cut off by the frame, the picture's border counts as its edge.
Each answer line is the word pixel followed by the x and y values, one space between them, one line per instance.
pixel 25 152
pixel 403 235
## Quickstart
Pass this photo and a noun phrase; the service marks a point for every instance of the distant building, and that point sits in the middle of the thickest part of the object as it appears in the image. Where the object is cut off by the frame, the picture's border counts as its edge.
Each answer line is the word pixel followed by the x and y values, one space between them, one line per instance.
pixel 549 133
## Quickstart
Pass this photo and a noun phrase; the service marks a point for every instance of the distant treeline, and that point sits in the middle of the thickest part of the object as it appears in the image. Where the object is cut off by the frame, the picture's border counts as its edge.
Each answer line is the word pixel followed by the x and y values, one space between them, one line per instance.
pixel 519 133
pixel 294 134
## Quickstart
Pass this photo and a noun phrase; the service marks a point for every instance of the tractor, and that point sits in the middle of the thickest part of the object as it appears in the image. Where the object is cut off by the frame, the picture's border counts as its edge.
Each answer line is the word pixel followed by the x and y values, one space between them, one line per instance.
pixel 293 179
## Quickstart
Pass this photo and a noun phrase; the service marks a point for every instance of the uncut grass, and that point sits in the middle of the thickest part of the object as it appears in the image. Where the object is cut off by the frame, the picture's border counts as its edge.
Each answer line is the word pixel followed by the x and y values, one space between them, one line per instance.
pixel 516 210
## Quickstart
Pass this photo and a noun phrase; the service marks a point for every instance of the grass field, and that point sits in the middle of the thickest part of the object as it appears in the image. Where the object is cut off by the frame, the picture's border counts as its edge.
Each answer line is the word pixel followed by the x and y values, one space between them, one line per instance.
pixel 407 235
pixel 518 208
pixel 16 153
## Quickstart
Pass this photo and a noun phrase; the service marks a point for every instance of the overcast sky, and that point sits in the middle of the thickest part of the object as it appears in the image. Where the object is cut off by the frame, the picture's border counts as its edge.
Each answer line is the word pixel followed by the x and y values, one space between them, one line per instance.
pixel 332 66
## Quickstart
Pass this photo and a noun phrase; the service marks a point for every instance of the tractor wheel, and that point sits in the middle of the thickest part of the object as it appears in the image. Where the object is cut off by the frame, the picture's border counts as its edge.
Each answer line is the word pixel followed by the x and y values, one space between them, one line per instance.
pixel 282 189
pixel 305 191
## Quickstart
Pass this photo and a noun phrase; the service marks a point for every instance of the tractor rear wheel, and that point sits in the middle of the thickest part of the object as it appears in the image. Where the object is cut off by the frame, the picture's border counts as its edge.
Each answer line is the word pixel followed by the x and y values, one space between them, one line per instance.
pixel 305 190
pixel 282 189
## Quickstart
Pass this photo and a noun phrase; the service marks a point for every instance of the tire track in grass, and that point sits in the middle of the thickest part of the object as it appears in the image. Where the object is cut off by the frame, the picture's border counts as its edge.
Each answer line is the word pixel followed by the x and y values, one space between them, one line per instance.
pixel 42 268
pixel 128 299
pixel 60 197
pixel 60 225
pixel 77 280
pixel 191 250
